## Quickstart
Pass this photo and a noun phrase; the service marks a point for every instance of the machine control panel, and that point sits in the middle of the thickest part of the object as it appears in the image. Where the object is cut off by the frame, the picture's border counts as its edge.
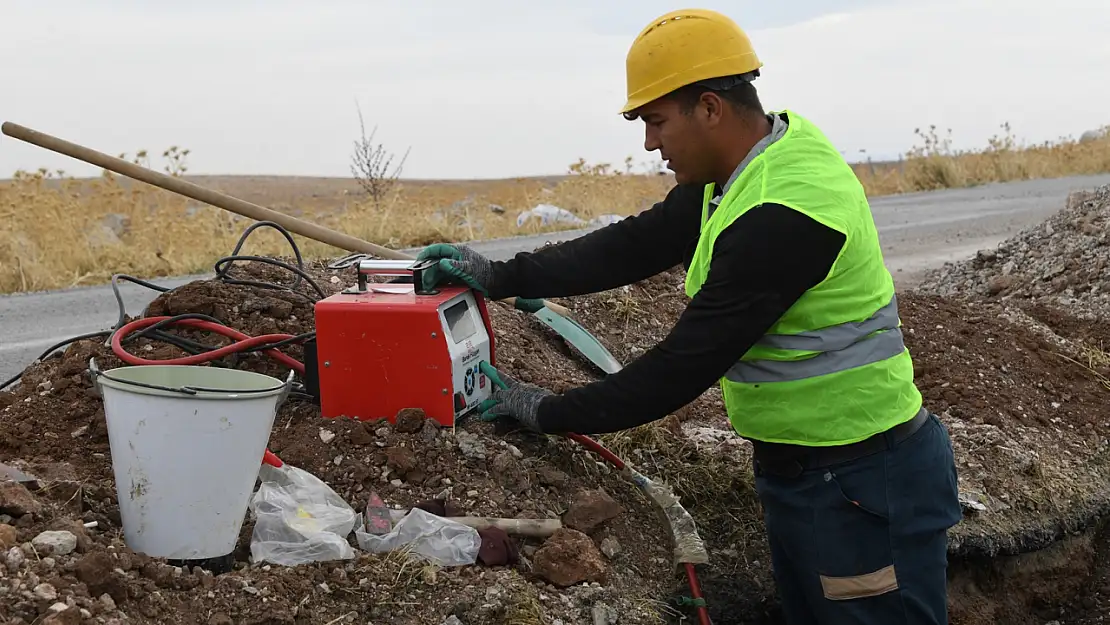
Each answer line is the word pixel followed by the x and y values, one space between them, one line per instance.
pixel 468 344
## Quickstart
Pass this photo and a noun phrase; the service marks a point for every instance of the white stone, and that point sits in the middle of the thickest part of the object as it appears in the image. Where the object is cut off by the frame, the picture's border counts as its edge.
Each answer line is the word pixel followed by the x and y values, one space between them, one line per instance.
pixel 55 542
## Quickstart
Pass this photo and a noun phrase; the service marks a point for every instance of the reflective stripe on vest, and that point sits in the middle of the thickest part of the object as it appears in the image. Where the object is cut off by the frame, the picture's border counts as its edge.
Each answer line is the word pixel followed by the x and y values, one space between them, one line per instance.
pixel 836 337
pixel 840 347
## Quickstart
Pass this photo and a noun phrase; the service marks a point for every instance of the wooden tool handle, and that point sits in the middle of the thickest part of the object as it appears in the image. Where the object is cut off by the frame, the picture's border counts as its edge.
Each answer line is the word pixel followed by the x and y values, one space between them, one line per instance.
pixel 213 197
pixel 536 528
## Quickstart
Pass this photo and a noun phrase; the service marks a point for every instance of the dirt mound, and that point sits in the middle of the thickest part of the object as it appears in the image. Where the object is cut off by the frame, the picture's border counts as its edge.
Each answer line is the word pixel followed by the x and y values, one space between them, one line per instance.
pixel 52 426
pixel 1027 419
pixel 1063 260
pixel 1021 390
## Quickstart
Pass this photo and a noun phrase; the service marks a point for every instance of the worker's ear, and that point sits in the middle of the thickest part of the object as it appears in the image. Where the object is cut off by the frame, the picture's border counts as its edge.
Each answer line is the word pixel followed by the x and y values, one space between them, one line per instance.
pixel 712 108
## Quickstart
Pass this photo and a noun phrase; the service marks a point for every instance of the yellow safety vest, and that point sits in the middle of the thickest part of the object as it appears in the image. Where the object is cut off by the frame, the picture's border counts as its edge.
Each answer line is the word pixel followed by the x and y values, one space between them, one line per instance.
pixel 833 369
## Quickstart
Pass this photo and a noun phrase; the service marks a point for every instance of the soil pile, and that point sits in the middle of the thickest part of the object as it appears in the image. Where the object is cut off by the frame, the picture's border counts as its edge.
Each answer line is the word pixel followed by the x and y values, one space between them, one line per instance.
pixel 612 559
pixel 1021 391
pixel 1064 260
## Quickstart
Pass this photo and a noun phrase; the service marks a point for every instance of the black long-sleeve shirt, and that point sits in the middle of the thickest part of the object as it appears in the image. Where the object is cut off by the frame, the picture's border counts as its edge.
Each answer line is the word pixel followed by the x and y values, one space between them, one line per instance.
pixel 761 264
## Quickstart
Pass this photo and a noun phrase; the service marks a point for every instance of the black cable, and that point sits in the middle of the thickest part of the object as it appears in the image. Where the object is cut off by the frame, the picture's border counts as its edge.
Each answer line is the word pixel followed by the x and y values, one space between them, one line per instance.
pixel 50 350
pixel 270 224
pixel 154 332
pixel 119 297
pixel 296 339
pixel 223 266
pixel 227 260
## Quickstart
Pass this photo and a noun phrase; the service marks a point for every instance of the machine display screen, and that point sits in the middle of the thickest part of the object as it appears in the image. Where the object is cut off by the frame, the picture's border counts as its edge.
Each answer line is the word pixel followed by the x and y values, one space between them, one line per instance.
pixel 459 321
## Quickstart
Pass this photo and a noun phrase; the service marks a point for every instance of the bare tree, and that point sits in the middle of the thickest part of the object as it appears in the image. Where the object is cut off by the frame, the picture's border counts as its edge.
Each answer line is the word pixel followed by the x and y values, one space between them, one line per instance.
pixel 371 165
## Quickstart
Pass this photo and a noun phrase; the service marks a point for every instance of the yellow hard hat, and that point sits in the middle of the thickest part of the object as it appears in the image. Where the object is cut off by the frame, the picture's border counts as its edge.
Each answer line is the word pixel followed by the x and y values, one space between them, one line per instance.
pixel 681 48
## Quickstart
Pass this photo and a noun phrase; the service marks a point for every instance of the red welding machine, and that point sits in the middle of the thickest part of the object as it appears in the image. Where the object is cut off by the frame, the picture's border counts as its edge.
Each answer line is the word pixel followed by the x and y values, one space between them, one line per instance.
pixel 383 347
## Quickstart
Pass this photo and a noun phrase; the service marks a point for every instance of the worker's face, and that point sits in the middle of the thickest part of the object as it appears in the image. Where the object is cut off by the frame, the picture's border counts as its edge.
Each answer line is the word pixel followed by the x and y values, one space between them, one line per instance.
pixel 683 139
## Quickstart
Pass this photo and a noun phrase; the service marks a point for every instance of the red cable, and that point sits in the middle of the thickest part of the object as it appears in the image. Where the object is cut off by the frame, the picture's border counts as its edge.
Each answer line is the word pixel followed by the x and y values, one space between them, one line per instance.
pixel 244 341
pixel 597 448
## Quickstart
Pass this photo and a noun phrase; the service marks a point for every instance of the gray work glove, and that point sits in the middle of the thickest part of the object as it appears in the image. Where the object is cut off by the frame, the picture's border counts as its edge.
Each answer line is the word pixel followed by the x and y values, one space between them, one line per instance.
pixel 459 263
pixel 512 398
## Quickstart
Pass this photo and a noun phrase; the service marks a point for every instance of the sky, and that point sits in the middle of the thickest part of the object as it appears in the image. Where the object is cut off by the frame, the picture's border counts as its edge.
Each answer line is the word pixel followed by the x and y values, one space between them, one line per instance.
pixel 497 88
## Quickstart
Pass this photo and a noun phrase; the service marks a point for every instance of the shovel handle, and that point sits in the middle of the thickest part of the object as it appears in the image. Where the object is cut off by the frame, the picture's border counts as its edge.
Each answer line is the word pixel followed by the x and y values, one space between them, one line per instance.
pixel 555 308
pixel 213 197
pixel 535 528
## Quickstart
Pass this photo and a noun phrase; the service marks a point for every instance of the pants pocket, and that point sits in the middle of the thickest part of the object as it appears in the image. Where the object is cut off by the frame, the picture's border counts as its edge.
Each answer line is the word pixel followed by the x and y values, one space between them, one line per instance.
pixel 871 584
pixel 855 559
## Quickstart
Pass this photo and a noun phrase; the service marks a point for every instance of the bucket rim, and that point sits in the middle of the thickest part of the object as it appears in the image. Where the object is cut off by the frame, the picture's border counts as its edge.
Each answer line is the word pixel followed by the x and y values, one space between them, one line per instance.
pixel 102 378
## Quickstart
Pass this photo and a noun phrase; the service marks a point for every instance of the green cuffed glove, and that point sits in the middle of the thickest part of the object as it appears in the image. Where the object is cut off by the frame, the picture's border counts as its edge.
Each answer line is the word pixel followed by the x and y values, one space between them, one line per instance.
pixel 528 305
pixel 457 264
pixel 513 399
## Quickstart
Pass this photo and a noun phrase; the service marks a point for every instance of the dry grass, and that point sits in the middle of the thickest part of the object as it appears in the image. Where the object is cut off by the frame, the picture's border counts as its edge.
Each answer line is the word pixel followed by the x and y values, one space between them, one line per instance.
pixel 56 231
pixel 935 165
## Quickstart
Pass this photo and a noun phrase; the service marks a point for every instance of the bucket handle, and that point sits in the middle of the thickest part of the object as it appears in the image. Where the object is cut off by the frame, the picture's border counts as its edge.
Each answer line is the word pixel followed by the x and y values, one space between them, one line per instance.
pixel 96 373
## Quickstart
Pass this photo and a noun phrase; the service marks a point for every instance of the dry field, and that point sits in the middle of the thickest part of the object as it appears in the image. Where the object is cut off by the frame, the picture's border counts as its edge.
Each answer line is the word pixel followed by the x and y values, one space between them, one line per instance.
pixel 57 231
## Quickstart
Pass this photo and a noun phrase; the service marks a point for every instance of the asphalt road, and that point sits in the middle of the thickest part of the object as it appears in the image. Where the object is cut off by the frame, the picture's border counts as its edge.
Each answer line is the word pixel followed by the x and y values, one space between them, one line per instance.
pixel 918 231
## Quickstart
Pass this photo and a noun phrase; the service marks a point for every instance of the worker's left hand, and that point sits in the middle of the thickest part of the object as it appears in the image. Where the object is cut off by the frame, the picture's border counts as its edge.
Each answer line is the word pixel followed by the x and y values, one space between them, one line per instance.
pixel 512 398
pixel 457 263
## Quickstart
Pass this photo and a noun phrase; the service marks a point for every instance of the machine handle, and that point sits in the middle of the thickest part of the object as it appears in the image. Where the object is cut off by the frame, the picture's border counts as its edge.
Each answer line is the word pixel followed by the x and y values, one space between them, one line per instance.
pixel 367 267
pixel 415 268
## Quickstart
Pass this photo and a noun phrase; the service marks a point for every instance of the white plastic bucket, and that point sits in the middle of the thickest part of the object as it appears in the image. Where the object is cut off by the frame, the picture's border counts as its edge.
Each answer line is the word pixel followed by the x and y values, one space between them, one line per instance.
pixel 186 443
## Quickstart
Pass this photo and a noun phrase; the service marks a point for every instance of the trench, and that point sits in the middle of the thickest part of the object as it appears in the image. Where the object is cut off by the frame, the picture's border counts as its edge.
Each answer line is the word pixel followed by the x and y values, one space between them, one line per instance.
pixel 1054 574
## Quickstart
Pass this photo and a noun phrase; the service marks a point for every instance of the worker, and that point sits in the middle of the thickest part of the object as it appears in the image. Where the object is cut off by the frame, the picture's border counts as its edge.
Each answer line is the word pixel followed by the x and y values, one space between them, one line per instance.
pixel 791 310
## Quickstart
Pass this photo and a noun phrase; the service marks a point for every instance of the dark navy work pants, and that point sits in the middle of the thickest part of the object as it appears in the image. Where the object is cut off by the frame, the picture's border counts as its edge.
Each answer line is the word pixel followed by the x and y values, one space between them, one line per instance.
pixel 865 542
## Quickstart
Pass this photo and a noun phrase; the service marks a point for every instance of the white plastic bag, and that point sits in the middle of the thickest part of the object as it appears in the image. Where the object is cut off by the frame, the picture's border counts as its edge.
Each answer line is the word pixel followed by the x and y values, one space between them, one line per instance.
pixel 548 214
pixel 433 538
pixel 299 519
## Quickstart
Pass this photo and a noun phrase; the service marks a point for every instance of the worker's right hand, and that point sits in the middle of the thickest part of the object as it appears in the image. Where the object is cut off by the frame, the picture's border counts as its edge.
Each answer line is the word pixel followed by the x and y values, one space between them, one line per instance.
pixel 457 263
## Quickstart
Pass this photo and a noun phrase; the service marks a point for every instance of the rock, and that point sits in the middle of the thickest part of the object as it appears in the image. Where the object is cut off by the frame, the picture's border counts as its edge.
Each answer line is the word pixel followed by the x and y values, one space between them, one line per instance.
pixel 326 436
pixel 161 574
pixel 14 559
pixel 84 542
pixel 68 615
pixel 569 557
pixel 96 571
pixel 497 549
pixel 452 620
pixel 510 473
pixel 109 230
pixel 118 223
pixel 57 543
pixel 998 284
pixel 603 614
pixel 550 476
pixel 410 420
pixel 46 592
pixel 359 435
pixel 400 459
pixel 17 501
pixel 8 537
pixel 590 510
pixel 429 432
pixel 610 547
pixel 471 446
